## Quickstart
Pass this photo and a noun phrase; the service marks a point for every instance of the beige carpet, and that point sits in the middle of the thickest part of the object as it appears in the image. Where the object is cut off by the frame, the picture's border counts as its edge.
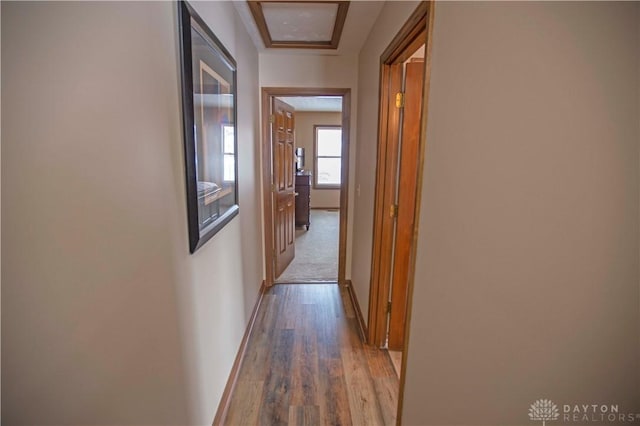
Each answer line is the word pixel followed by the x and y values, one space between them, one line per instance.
pixel 316 250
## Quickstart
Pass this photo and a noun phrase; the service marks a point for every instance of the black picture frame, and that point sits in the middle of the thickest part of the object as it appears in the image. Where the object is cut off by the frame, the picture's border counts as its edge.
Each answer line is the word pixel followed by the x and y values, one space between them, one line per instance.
pixel 209 78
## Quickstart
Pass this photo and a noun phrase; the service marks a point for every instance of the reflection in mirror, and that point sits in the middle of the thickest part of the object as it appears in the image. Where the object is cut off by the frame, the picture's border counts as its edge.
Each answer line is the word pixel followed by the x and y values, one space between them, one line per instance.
pixel 214 134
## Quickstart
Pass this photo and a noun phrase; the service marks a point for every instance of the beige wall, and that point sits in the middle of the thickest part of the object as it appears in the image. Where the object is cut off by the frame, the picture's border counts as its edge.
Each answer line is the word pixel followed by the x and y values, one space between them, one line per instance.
pixel 299 70
pixel 391 18
pixel 107 318
pixel 527 263
pixel 305 121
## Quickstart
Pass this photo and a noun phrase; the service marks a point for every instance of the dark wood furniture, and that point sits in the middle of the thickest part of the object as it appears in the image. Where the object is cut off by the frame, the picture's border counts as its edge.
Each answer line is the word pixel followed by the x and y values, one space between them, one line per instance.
pixel 303 198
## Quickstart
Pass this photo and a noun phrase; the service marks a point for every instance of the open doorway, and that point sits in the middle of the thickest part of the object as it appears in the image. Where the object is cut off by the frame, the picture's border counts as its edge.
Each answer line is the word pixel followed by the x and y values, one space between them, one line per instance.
pixel 318 165
pixel 305 159
pixel 404 86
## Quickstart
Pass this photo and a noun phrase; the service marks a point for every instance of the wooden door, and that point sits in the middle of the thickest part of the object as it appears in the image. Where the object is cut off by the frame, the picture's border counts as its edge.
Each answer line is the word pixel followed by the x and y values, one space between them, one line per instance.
pixel 282 139
pixel 406 201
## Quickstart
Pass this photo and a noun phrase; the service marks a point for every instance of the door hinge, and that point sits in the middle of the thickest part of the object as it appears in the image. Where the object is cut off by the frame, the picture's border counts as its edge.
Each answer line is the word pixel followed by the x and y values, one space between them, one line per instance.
pixel 399 100
pixel 388 307
pixel 273 187
pixel 393 210
pixel 272 118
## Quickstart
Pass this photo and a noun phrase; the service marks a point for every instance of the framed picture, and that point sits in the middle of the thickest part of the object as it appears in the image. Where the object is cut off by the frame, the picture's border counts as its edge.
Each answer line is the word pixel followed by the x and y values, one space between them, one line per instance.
pixel 209 120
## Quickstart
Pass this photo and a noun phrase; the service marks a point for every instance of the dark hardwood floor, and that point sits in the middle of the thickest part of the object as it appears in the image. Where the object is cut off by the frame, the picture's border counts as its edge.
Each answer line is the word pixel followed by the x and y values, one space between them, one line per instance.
pixel 305 364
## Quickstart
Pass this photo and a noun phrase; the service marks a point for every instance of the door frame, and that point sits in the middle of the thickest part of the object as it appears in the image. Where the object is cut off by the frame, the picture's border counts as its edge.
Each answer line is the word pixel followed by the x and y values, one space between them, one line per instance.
pixel 269 244
pixel 418 29
pixel 414 33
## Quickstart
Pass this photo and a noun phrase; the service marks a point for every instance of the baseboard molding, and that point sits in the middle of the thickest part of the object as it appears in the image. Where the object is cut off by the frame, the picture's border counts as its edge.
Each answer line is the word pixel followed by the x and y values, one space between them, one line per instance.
pixel 223 407
pixel 356 306
pixel 325 208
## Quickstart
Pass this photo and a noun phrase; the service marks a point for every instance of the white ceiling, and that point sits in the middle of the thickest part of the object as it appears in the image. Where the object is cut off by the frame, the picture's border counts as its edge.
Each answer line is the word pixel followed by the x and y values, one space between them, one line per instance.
pixel 314 103
pixel 360 19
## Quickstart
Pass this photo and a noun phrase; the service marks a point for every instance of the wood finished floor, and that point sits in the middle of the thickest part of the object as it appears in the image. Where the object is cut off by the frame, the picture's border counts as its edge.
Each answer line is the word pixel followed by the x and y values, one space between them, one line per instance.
pixel 305 364
pixel 396 360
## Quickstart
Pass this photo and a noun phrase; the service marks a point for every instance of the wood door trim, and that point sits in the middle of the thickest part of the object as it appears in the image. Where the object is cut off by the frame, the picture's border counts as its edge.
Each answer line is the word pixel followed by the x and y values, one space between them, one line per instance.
pixel 344 189
pixel 267 170
pixel 418 29
pixel 388 140
pixel 267 94
pixel 411 35
pixel 422 154
pixel 406 37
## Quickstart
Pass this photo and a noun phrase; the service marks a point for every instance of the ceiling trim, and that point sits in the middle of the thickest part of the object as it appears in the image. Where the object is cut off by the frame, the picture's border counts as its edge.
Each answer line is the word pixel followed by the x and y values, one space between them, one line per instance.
pixel 258 15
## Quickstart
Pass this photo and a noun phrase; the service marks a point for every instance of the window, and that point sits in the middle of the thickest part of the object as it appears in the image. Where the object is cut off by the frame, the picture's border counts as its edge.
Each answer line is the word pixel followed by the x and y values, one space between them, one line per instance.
pixel 228 152
pixel 327 156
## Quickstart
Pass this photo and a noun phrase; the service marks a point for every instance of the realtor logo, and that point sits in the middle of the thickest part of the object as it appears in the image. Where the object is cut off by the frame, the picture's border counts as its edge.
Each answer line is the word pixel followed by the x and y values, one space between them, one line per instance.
pixel 544 409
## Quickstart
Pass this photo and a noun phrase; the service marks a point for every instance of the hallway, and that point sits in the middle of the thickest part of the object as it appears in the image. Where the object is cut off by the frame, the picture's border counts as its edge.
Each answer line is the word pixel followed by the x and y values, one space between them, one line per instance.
pixel 526 282
pixel 305 364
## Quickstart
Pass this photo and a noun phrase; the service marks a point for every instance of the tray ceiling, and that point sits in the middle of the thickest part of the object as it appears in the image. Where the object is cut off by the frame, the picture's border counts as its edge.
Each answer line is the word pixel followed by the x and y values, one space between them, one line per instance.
pixel 300 24
pixel 357 27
